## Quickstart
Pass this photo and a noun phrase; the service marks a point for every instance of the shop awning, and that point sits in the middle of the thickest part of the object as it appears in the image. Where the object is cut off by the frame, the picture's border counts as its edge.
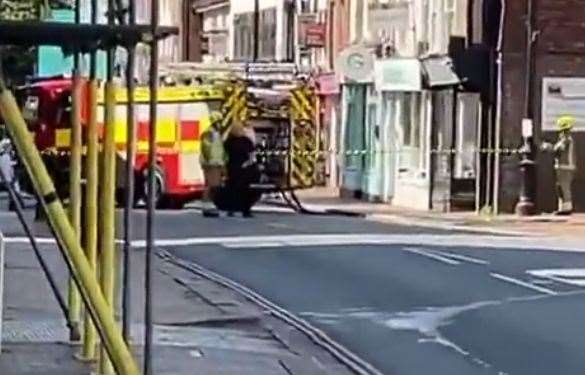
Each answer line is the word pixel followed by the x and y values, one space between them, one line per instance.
pixel 398 75
pixel 439 71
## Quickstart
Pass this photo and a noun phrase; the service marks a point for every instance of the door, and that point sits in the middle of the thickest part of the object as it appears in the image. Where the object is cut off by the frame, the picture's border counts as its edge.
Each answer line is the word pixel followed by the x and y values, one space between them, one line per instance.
pixel 441 145
pixel 354 141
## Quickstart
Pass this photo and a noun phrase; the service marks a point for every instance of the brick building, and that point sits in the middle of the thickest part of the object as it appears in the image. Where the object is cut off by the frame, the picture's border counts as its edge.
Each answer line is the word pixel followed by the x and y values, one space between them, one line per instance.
pixel 554 85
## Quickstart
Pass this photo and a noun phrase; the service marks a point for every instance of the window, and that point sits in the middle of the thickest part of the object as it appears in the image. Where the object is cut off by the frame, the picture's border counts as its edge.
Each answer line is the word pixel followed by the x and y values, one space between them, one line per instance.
pixel 412 130
pixel 267 34
pixel 244 36
pixel 244 42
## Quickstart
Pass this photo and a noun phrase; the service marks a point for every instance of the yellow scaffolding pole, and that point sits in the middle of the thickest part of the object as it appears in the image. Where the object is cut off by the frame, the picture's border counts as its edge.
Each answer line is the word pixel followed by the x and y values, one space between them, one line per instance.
pixel 93 297
pixel 91 214
pixel 108 211
pixel 75 198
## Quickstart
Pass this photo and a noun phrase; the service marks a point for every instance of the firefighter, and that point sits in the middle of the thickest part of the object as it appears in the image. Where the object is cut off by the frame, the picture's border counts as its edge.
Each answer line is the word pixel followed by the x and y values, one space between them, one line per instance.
pixel 212 160
pixel 241 169
pixel 565 164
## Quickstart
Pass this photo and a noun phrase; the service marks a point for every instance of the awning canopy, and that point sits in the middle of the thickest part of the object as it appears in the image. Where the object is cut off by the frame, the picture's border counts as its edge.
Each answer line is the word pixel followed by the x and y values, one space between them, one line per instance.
pixel 398 75
pixel 439 71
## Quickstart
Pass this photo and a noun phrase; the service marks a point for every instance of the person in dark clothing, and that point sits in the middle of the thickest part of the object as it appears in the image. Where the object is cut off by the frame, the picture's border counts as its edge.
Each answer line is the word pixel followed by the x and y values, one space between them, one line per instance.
pixel 242 171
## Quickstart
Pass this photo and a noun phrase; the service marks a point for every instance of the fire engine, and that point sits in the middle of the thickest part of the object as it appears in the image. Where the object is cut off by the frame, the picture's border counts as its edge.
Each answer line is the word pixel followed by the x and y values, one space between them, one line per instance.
pixel 283 117
pixel 183 115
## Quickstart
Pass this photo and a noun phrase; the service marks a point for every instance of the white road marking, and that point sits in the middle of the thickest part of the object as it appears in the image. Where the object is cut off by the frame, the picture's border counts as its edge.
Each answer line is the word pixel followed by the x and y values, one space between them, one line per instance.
pixel 570 276
pixel 254 245
pixel 279 225
pixel 431 255
pixel 463 258
pixel 26 240
pixel 524 284
pixel 366 239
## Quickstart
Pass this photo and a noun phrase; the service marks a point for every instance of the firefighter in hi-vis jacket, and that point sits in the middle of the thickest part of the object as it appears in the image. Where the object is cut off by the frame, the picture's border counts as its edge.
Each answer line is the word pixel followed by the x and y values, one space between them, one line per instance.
pixel 565 163
pixel 212 160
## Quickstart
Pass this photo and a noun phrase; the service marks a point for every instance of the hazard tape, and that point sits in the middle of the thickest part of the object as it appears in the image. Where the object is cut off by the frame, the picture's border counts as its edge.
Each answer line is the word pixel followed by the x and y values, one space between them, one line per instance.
pixel 374 152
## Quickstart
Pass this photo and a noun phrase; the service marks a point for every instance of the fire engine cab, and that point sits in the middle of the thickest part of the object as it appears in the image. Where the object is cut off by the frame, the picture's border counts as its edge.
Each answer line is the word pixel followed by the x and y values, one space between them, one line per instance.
pixel 184 113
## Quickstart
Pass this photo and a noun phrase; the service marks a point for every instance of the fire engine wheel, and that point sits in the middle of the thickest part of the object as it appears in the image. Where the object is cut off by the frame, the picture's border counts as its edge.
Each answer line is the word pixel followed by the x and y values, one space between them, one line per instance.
pixel 159 187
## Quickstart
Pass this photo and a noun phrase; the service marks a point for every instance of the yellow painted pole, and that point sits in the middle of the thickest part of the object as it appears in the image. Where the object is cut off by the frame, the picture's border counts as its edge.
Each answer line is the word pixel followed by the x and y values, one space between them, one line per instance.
pixel 75 199
pixel 91 189
pixel 75 184
pixel 93 297
pixel 107 219
pixel 91 214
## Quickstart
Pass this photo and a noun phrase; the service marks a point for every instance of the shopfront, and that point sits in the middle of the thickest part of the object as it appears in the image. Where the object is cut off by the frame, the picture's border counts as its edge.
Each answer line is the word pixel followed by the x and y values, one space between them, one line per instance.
pixel 329 120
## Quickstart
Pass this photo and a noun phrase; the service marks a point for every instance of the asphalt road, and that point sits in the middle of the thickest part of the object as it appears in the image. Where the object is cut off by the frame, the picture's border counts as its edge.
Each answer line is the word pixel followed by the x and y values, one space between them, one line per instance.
pixel 403 304
pixel 408 300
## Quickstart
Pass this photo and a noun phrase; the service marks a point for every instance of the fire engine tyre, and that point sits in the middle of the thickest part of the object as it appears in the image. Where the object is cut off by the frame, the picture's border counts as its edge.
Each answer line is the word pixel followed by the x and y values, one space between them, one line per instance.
pixel 160 201
pixel 121 198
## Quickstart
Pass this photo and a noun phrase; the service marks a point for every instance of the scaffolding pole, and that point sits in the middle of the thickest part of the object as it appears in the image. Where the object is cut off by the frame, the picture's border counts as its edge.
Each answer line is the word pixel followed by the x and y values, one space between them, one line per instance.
pixel 75 258
pixel 75 195
pixel 91 191
pixel 129 192
pixel 107 227
pixel 148 334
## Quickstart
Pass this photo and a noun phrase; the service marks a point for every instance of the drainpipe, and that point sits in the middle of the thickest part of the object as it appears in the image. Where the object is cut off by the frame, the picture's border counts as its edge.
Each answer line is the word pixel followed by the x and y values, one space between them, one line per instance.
pixel 498 130
pixel 526 205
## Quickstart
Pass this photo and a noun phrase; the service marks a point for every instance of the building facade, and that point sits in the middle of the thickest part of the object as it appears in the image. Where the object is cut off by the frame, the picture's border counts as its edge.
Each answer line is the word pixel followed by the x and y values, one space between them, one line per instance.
pixel 206 36
pixel 553 85
pixel 404 116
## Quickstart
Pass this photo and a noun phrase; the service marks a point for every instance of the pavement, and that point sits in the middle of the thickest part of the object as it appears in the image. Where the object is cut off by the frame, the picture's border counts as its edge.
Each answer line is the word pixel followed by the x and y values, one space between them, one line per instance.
pixel 200 326
pixel 544 224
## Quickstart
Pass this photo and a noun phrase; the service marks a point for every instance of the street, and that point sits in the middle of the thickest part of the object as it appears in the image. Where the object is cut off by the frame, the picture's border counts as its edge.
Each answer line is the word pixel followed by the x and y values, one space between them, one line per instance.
pixel 472 304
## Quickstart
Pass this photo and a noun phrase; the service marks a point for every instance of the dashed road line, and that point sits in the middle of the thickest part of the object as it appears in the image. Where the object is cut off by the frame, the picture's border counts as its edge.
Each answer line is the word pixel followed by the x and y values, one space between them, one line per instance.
pixel 523 284
pixel 463 258
pixel 432 255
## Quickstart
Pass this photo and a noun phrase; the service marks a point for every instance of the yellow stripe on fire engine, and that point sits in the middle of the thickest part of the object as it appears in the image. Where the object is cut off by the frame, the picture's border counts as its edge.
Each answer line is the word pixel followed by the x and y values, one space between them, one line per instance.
pixel 185 147
pixel 166 131
pixel 62 138
pixel 190 147
pixel 169 94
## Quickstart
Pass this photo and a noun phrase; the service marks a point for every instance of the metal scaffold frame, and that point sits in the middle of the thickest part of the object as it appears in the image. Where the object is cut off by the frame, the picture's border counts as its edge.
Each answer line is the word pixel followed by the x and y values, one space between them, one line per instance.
pixel 98 297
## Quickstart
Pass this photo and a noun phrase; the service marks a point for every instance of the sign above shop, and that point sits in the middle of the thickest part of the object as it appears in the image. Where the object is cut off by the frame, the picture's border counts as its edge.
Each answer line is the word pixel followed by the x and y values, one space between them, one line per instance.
pixel 328 84
pixel 356 64
pixel 398 74
pixel 312 33
pixel 439 72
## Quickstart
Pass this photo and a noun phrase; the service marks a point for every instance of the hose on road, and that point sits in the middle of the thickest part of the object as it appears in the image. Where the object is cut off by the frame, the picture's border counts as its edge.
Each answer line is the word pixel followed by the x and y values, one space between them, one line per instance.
pixel 295 203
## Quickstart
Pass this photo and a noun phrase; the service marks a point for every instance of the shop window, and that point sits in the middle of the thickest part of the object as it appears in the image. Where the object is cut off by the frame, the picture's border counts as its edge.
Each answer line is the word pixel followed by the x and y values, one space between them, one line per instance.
pixel 244 36
pixel 412 130
pixel 267 34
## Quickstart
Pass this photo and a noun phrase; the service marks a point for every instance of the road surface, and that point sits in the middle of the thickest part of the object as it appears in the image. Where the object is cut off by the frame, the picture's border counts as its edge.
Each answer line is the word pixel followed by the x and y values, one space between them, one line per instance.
pixel 471 304
pixel 408 300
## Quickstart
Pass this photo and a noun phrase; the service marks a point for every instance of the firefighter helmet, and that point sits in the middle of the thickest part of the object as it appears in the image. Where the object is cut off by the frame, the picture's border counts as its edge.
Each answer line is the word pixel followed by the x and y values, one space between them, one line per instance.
pixel 565 123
